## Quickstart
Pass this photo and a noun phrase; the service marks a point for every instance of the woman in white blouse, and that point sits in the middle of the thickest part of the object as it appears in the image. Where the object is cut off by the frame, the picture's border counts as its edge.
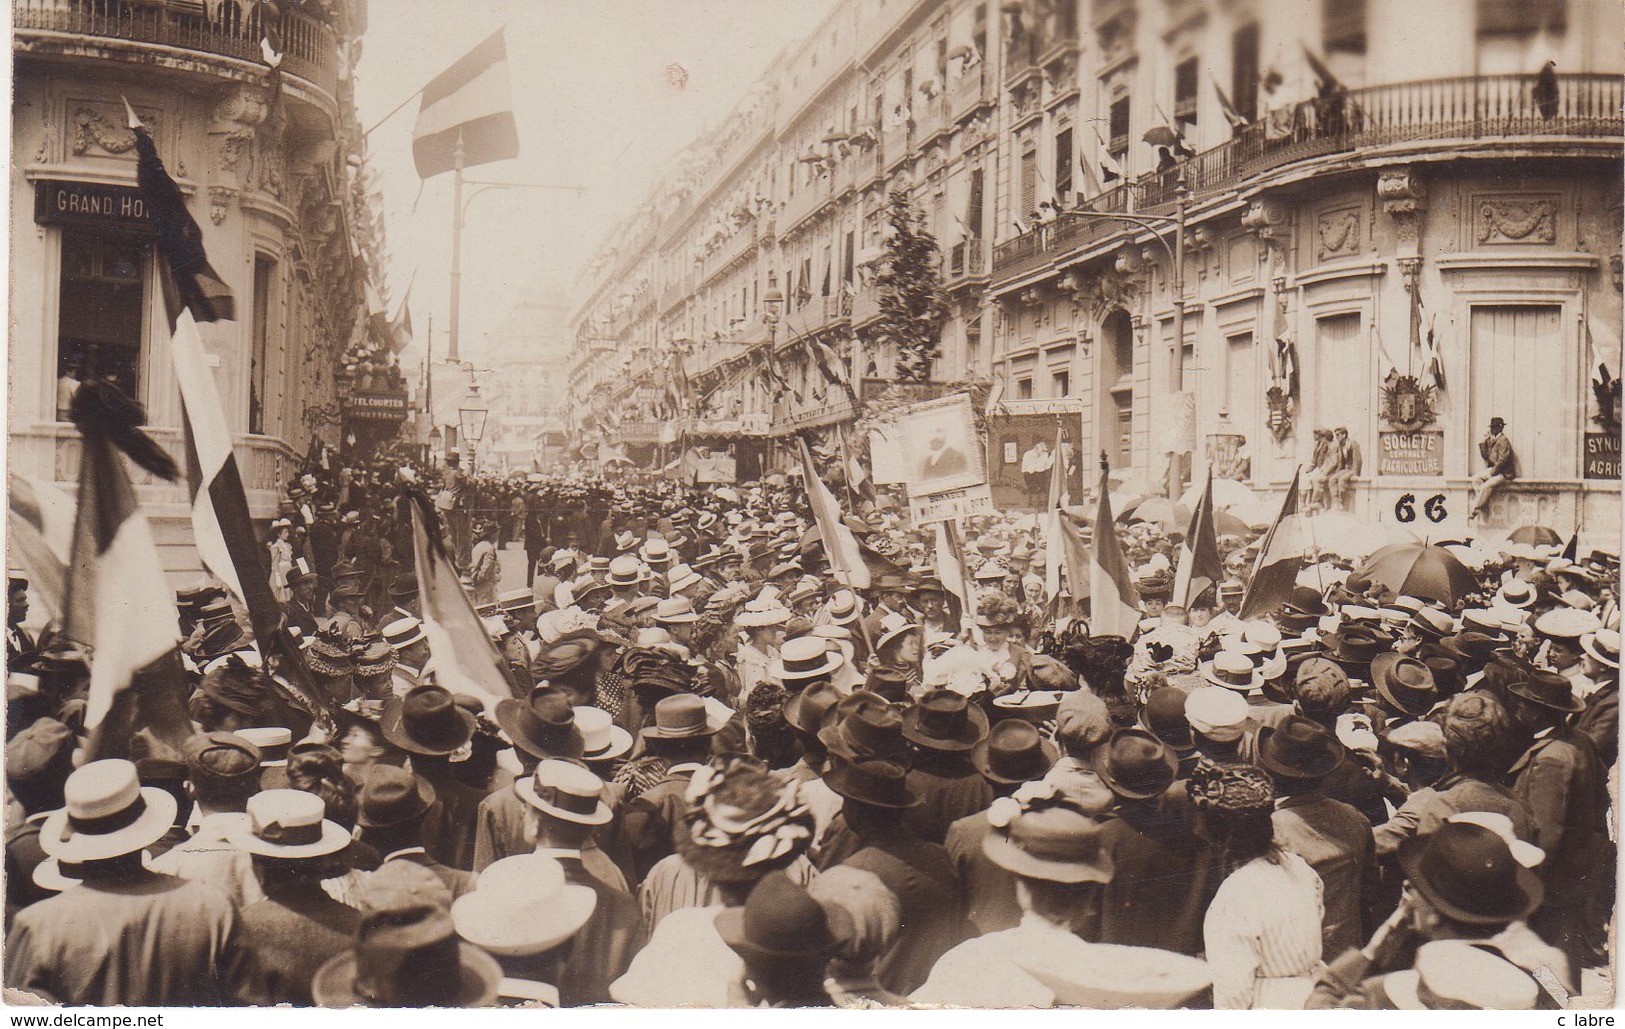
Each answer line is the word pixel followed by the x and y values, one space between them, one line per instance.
pixel 1262 929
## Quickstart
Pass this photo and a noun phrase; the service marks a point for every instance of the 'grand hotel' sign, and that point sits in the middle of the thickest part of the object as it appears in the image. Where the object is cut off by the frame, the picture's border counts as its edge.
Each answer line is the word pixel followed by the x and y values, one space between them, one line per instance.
pixel 91 203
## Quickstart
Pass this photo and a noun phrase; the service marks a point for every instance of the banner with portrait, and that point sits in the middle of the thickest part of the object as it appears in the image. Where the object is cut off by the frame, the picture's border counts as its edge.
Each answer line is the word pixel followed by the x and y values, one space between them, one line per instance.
pixel 939 446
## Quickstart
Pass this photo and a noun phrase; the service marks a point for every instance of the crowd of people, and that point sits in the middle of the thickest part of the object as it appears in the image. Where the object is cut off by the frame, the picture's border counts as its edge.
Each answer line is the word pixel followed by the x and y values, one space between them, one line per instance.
pixel 724 778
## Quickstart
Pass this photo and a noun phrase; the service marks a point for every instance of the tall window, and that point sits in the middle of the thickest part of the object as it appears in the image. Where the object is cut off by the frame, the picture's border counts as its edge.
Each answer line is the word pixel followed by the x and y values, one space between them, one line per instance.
pixel 101 311
pixel 1116 372
pixel 260 356
pixel 973 213
pixel 1239 380
pixel 1343 26
pixel 1341 371
pixel 1185 79
pixel 1117 117
pixel 1063 166
pixel 1061 384
pixel 1029 180
pixel 1520 17
pixel 1024 389
pixel 1244 70
pixel 846 263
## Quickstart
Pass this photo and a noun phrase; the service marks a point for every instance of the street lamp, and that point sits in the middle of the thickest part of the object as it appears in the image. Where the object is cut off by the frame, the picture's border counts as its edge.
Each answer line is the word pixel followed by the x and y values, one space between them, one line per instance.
pixel 435 439
pixel 773 300
pixel 471 415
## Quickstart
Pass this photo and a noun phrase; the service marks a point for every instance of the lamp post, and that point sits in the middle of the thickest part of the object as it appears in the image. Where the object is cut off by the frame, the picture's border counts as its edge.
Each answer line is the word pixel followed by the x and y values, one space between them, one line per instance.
pixel 471 415
pixel 435 443
pixel 1176 254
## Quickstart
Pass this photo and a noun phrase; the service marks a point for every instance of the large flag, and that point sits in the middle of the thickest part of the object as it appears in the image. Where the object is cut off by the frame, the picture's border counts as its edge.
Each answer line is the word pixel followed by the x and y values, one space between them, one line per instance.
pixel 846 562
pixel 465 660
pixel 1114 604
pixel 471 101
pixel 116 599
pixel 1199 553
pixel 196 284
pixel 1237 120
pixel 1279 561
pixel 1062 548
pixel 222 527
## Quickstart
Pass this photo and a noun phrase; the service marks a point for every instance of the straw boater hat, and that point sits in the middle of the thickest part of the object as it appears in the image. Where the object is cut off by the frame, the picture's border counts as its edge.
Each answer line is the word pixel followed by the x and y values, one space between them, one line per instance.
pixel 805 657
pixel 565 790
pixel 1603 645
pixel 1233 671
pixel 403 632
pixel 522 905
pixel 1453 975
pixel 108 814
pixel 601 738
pixel 288 824
pixel 762 612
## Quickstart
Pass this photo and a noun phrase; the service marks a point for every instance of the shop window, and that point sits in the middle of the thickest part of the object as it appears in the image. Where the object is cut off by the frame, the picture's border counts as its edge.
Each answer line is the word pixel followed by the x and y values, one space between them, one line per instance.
pixel 102 308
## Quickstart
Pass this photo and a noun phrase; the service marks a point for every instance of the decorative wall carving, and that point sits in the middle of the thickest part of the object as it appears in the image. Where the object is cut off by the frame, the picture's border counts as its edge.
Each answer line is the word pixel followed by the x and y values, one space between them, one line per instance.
pixel 1516 219
pixel 1404 198
pixel 233 124
pixel 1337 233
pixel 100 130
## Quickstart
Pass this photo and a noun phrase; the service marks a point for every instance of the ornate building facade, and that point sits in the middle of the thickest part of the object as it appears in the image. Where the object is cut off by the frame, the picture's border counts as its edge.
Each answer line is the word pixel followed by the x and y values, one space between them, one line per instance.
pixel 1346 221
pixel 271 162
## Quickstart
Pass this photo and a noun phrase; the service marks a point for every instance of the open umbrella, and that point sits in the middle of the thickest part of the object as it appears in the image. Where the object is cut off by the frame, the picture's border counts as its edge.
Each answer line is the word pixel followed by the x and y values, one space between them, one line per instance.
pixel 1536 536
pixel 1227 524
pixel 1226 493
pixel 1420 570
pixel 1159 511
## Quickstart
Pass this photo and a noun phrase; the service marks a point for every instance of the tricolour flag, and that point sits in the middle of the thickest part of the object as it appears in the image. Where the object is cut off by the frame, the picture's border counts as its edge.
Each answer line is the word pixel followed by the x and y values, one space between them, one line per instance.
pixel 846 563
pixel 1114 605
pixel 1063 549
pixel 955 576
pixel 465 660
pixel 116 599
pixel 1279 560
pixel 222 528
pixel 1199 553
pixel 471 101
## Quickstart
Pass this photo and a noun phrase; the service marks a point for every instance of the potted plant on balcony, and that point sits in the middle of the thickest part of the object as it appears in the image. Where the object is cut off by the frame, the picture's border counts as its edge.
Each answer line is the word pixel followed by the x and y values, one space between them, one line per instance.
pixel 912 305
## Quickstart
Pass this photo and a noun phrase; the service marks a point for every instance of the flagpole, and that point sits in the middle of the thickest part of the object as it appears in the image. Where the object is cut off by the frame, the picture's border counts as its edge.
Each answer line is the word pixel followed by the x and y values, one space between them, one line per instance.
pixel 456 245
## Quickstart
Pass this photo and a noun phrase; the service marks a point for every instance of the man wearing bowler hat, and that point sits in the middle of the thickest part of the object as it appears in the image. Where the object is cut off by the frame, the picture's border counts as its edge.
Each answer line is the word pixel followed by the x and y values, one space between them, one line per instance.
pixel 1012 754
pixel 430 726
pixel 1333 837
pixel 1462 882
pixel 1562 783
pixel 943 728
pixel 396 811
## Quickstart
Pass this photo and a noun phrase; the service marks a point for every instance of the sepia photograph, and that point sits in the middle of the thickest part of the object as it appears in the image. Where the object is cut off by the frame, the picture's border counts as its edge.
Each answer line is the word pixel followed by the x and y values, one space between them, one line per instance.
pixel 819 504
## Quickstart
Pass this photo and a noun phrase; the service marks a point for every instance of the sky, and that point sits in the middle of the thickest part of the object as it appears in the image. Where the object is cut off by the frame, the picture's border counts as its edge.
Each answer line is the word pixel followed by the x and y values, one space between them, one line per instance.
pixel 597 108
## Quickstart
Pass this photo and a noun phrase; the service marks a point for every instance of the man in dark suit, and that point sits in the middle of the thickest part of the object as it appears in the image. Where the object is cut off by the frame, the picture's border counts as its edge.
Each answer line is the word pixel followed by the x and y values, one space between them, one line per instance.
pixel 1500 467
pixel 20 646
pixel 1562 783
pixel 394 806
pixel 941 460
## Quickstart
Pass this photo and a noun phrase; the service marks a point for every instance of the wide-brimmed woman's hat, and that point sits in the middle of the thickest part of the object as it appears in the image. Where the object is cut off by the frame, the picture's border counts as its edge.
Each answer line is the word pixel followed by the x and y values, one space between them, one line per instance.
pixel 108 814
pixel 522 905
pixel 944 720
pixel 741 822
pixel 426 721
pixel 1056 844
pixel 1468 873
pixel 288 824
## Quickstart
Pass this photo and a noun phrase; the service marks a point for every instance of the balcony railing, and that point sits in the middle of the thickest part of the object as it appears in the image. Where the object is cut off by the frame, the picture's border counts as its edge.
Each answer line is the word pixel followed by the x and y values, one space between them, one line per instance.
pixel 866 306
pixel 310 47
pixel 966 259
pixel 967 93
pixel 1472 108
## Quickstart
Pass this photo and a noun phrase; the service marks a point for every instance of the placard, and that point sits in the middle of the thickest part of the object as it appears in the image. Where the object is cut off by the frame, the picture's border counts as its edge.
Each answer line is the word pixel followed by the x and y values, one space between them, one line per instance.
pixel 1602 455
pixel 1024 445
pixel 945 507
pixel 939 440
pixel 1410 453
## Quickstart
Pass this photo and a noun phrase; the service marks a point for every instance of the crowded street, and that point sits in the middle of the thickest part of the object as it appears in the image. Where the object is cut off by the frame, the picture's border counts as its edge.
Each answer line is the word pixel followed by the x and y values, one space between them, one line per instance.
pixel 949 538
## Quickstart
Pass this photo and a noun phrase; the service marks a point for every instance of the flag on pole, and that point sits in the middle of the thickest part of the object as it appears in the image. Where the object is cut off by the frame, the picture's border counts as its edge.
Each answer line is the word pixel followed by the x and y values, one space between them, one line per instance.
pixel 41 524
pixel 1114 603
pixel 1062 547
pixel 1279 560
pixel 116 598
pixel 1199 553
pixel 197 285
pixel 1086 172
pixel 222 527
pixel 956 578
pixel 465 660
pixel 471 101
pixel 846 562
pixel 1236 119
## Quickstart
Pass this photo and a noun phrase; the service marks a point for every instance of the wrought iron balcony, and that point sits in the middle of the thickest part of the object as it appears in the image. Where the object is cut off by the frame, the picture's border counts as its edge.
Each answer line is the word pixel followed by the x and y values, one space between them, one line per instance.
pixel 310 46
pixel 1471 109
